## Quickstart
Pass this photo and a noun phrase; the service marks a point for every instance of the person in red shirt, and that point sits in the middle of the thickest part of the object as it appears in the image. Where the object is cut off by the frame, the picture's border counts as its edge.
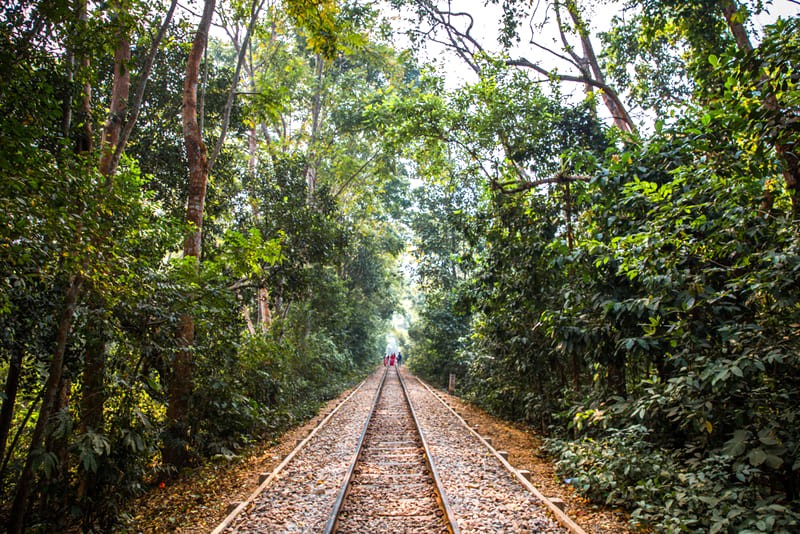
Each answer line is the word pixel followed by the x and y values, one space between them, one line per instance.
pixel 392 359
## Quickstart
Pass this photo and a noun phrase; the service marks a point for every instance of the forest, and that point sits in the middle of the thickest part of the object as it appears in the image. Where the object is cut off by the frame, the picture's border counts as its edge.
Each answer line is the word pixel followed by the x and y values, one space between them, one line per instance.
pixel 213 213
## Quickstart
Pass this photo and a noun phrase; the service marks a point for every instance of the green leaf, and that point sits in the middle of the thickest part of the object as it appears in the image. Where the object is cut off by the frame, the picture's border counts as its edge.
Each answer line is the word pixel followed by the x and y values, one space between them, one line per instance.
pixel 89 461
pixel 757 457
pixel 737 444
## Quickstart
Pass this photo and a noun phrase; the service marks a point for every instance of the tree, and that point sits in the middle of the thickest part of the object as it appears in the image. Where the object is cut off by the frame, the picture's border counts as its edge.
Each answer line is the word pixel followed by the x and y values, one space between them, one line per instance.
pixel 180 384
pixel 703 28
pixel 457 27
pixel 90 209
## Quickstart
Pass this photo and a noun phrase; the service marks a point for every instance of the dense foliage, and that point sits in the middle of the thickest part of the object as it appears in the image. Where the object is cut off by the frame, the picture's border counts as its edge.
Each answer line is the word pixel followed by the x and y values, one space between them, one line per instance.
pixel 291 297
pixel 184 273
pixel 634 296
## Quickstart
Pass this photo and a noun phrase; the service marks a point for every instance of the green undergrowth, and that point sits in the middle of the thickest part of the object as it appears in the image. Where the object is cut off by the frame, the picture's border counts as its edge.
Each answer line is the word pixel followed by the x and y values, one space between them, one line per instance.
pixel 671 491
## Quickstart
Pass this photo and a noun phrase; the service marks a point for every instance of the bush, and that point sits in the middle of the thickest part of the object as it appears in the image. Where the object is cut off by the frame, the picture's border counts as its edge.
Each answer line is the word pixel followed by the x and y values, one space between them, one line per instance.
pixel 669 492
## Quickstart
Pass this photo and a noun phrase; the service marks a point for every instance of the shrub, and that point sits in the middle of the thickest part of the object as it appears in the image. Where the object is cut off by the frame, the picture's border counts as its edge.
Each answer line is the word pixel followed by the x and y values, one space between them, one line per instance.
pixel 669 492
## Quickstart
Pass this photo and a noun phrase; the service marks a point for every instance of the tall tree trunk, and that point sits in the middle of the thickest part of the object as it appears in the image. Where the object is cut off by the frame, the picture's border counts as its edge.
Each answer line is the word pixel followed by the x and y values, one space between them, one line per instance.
pixel 10 398
pixel 58 446
pixel 264 313
pixel 18 508
pixel 789 153
pixel 53 385
pixel 729 9
pixel 93 385
pixel 20 429
pixel 316 123
pixel 241 56
pixel 66 117
pixel 119 103
pixel 138 97
pixel 93 398
pixel 181 380
pixel 611 100
pixel 85 140
pixel 248 320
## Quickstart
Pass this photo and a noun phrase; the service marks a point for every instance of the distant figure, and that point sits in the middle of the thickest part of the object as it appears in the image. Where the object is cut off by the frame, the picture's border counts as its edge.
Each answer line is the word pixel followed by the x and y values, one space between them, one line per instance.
pixel 385 360
pixel 399 358
pixel 392 359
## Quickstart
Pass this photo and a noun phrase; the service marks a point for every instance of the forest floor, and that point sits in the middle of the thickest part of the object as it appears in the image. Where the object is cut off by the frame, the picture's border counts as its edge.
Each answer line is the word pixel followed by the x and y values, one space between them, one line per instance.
pixel 198 499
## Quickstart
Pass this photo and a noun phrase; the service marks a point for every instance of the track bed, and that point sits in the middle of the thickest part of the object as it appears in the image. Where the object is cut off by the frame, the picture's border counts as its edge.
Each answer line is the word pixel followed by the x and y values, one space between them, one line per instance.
pixel 392 488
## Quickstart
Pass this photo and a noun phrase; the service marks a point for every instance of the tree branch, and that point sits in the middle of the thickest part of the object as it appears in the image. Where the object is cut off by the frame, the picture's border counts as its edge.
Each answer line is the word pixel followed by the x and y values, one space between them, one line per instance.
pixel 607 90
pixel 577 60
pixel 530 183
pixel 141 86
pixel 226 112
pixel 355 174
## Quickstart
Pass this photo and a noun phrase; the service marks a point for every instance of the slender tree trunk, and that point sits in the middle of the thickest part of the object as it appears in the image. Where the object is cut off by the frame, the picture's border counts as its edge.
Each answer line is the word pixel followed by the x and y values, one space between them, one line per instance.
pixel 20 429
pixel 240 61
pixel 93 395
pixel 316 123
pixel 729 9
pixel 248 320
pixel 58 446
pixel 181 380
pixel 264 313
pixel 85 141
pixel 141 86
pixel 17 516
pixel 10 398
pixel 789 153
pixel 252 149
pixel 66 117
pixel 93 398
pixel 53 385
pixel 618 112
pixel 119 103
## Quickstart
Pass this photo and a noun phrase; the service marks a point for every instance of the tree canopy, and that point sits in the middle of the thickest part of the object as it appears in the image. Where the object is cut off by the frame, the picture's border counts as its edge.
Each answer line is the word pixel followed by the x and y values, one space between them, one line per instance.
pixel 205 211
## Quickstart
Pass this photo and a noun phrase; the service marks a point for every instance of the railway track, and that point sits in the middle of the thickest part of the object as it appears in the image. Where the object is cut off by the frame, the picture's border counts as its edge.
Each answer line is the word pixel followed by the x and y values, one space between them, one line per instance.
pixel 391 485
pixel 367 467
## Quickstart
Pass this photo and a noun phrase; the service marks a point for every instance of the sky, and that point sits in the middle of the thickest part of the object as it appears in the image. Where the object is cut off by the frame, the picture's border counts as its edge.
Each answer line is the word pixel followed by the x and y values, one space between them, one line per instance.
pixel 487 23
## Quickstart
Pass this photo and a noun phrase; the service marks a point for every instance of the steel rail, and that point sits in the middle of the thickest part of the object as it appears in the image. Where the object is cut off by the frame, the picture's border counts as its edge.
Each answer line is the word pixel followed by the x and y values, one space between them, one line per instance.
pixel 261 487
pixel 563 519
pixel 337 506
pixel 441 498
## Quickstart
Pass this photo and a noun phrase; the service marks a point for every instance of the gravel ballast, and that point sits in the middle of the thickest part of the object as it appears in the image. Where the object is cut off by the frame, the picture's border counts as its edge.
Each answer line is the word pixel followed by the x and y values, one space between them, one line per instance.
pixel 301 496
pixel 483 494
